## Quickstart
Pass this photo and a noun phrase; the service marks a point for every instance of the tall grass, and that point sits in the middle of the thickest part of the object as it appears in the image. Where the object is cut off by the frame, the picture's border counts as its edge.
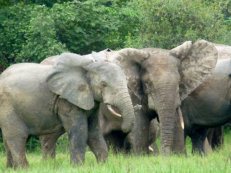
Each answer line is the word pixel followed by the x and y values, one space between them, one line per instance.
pixel 219 161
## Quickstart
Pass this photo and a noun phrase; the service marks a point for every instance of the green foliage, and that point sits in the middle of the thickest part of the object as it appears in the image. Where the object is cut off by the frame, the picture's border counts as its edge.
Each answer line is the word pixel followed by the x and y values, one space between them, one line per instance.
pixel 40 37
pixel 89 25
pixel 31 32
pixel 27 34
pixel 167 23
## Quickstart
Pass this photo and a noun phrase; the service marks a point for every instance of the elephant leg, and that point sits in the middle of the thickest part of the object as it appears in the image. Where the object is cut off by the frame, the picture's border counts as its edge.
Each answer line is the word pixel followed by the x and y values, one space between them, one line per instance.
pixel 15 137
pixel 9 157
pixel 216 137
pixel 74 121
pixel 96 141
pixel 16 146
pixel 48 144
pixel 198 138
pixel 77 135
pixel 140 133
pixel 153 133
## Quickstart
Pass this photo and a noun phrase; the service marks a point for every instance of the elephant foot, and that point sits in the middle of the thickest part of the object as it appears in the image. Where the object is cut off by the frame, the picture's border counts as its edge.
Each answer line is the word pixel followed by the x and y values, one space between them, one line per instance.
pixel 166 150
pixel 77 160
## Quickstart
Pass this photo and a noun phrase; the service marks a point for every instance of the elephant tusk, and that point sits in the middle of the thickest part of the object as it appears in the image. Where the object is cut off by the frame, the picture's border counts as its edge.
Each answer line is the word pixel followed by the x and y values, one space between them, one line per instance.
pixel 113 112
pixel 181 118
pixel 150 149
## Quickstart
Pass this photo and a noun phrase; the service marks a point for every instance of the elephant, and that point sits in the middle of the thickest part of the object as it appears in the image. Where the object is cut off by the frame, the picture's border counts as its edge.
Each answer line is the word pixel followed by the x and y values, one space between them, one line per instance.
pixel 38 99
pixel 158 81
pixel 209 105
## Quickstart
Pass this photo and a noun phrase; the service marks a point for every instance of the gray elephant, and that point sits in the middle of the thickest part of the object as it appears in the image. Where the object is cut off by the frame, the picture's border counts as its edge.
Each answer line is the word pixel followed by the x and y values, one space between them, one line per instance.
pixel 209 105
pixel 158 81
pixel 40 99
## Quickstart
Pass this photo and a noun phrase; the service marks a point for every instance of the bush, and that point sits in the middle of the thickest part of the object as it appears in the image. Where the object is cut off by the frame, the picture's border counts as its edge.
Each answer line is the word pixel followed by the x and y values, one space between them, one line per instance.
pixel 166 24
pixel 40 37
pixel 31 32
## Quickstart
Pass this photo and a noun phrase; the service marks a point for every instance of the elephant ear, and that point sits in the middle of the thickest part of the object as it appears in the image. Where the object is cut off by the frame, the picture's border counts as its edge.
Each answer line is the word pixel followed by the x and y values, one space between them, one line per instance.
pixel 130 55
pixel 68 80
pixel 198 61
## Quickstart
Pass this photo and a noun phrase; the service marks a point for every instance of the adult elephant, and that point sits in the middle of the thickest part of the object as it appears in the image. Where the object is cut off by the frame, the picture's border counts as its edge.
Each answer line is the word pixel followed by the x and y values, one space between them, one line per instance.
pixel 40 99
pixel 209 105
pixel 158 81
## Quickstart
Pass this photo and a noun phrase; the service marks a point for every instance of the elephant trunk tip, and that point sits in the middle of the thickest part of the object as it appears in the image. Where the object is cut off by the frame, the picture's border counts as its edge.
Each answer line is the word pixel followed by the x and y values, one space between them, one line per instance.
pixel 127 125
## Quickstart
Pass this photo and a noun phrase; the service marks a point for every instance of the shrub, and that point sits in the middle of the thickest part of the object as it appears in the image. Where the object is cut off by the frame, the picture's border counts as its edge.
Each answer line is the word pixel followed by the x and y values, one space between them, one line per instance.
pixel 166 24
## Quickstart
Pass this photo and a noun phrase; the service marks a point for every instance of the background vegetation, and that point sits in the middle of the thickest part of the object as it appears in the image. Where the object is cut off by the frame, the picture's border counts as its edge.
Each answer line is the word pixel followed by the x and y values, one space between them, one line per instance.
pixel 31 30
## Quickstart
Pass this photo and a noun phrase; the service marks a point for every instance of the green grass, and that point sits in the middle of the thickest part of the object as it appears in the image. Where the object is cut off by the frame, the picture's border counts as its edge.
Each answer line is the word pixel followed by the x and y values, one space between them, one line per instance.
pixel 219 161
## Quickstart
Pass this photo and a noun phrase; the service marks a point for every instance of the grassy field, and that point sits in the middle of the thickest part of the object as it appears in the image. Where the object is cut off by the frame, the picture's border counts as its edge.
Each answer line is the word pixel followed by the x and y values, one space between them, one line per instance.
pixel 219 161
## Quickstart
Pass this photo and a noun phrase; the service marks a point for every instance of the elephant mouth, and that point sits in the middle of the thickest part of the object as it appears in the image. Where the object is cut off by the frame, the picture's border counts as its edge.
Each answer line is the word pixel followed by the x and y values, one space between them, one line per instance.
pixel 114 111
pixel 181 117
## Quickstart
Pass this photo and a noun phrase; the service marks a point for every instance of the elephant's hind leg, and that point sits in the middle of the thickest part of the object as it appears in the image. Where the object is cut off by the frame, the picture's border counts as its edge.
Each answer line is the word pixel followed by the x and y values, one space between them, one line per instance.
pixel 48 144
pixel 16 149
pixel 15 134
pixel 9 163
pixel 96 140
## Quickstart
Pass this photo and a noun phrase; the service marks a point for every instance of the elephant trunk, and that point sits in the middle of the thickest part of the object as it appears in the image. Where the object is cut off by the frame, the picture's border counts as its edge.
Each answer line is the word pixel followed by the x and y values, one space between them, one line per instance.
pixel 124 104
pixel 166 130
pixel 167 104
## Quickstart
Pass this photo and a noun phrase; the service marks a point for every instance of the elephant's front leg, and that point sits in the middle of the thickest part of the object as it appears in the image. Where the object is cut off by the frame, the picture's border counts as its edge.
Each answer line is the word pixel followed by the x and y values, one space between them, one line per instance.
pixel 96 140
pixel 75 124
pixel 48 144
pixel 77 135
pixel 139 135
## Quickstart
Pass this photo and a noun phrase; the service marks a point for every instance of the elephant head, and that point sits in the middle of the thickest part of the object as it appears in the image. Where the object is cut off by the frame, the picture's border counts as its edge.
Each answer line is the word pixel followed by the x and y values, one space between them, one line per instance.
pixel 163 78
pixel 83 82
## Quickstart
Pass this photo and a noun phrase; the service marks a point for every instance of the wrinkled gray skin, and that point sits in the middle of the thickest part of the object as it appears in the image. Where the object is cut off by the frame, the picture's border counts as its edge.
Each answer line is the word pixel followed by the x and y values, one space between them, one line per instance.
pixel 209 105
pixel 158 80
pixel 48 99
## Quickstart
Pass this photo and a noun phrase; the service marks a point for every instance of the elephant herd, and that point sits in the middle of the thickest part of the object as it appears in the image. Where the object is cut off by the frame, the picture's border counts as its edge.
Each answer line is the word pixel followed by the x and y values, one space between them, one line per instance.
pixel 112 97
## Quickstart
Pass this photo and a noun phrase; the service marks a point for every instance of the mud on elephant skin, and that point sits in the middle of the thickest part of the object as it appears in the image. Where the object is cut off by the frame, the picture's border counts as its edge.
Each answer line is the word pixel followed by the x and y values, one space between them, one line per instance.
pixel 48 99
pixel 158 80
